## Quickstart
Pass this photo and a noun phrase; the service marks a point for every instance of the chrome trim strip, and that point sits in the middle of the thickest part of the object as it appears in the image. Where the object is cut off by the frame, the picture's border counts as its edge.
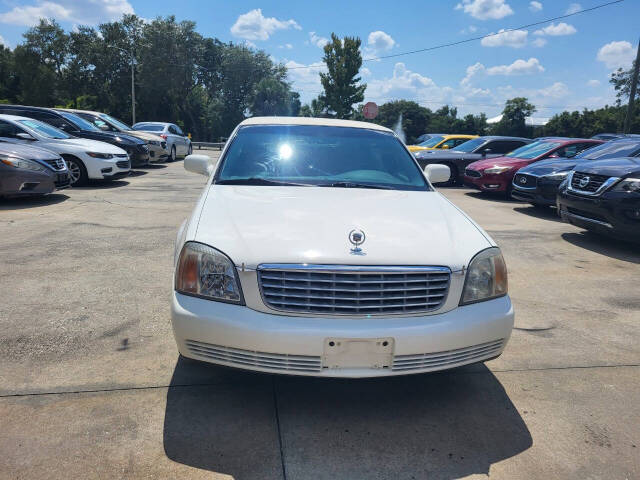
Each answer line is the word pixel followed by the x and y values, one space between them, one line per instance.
pixel 587 219
pixel 371 269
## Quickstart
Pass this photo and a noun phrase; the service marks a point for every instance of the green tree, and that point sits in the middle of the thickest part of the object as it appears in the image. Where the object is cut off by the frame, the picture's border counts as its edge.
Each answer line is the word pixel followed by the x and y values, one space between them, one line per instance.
pixel 317 108
pixel 341 83
pixel 621 80
pixel 274 97
pixel 415 118
pixel 513 121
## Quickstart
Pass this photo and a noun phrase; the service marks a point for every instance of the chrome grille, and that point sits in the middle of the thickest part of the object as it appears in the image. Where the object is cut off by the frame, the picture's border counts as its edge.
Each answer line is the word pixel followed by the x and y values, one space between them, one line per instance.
pixel 593 182
pixel 472 173
pixel 447 358
pixel 351 290
pixel 123 164
pixel 273 361
pixel 56 163
pixel 121 155
pixel 523 180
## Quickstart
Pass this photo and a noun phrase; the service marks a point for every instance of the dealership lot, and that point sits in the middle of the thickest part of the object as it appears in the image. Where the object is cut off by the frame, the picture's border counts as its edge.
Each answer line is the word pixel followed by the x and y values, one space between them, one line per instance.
pixel 91 386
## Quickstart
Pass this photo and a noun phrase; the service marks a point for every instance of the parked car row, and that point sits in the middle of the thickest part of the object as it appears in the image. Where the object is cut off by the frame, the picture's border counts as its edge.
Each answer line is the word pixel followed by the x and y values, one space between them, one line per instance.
pixel 44 149
pixel 593 182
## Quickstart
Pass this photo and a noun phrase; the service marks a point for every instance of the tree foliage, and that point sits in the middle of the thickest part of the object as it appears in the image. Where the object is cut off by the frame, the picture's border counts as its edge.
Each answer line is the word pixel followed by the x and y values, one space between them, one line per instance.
pixel 513 121
pixel 204 85
pixel 341 83
pixel 621 80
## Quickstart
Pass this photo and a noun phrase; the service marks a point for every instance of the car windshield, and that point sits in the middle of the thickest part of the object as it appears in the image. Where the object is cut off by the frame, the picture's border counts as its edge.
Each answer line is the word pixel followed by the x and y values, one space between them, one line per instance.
pixel 79 122
pixel 432 141
pixel 321 156
pixel 44 129
pixel 149 126
pixel 533 150
pixel 611 150
pixel 114 121
pixel 470 145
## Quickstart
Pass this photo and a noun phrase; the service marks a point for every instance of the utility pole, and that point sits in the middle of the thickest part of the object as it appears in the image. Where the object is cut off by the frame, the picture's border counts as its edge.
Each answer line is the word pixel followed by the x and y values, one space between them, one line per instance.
pixel 632 92
pixel 133 82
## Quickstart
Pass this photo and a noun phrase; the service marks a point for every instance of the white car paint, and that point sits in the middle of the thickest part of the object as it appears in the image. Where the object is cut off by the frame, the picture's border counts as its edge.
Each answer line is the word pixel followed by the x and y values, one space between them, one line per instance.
pixel 310 225
pixel 77 147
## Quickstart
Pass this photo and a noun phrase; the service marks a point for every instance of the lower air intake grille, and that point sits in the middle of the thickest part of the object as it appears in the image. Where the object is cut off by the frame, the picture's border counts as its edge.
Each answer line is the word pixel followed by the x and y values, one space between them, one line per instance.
pixel 472 173
pixel 273 361
pixel 123 164
pixel 448 357
pixel 350 290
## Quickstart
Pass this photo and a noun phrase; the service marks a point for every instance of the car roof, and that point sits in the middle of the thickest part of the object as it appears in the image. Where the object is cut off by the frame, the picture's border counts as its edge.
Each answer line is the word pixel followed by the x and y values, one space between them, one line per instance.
pixel 76 110
pixel 326 122
pixel 27 107
pixel 153 123
pixel 461 135
pixel 504 137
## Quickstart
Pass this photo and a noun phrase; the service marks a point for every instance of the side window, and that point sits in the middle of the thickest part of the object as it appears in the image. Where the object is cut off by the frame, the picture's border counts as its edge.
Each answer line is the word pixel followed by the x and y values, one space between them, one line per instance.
pixel 504 146
pixel 173 130
pixel 460 141
pixel 583 146
pixel 8 130
pixel 178 131
pixel 449 143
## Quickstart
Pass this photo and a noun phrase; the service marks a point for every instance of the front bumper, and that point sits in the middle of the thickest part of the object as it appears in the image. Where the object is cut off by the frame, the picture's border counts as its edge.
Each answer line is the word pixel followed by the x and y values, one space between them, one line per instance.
pixel 157 153
pixel 239 336
pixel 489 182
pixel 139 156
pixel 612 213
pixel 17 182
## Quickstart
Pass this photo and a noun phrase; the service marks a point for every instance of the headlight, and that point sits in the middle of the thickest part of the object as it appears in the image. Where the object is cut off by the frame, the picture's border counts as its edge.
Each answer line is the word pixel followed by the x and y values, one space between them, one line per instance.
pixel 486 277
pixel 205 272
pixel 100 155
pixel 629 185
pixel 496 169
pixel 557 175
pixel 22 163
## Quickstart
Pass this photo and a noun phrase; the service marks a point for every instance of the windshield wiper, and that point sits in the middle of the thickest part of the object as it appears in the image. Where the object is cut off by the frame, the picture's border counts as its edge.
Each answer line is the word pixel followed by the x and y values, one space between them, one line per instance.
pixel 259 181
pixel 355 185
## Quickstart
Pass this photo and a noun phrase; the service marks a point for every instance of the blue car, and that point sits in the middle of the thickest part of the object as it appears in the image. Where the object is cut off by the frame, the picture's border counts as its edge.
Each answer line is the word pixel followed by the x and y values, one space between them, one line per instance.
pixel 538 183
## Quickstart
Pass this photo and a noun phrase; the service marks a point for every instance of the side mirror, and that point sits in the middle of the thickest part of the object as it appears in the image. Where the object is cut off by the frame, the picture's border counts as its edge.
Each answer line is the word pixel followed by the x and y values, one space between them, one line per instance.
pixel 486 152
pixel 25 136
pixel 437 173
pixel 198 164
pixel 445 147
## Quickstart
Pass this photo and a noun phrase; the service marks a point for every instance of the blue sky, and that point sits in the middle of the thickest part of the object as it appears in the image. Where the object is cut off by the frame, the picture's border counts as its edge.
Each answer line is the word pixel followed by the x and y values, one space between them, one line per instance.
pixel 561 65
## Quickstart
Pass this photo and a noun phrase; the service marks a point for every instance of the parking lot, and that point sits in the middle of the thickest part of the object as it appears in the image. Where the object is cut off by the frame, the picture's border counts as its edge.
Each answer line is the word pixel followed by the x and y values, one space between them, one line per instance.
pixel 91 385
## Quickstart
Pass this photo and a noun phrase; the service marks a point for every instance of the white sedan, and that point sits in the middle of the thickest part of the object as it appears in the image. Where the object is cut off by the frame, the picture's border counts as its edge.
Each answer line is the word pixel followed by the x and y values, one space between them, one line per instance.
pixel 86 159
pixel 318 247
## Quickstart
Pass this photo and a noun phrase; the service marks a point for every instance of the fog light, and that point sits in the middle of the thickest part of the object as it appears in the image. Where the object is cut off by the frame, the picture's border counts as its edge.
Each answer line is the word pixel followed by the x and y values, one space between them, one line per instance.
pixel 106 170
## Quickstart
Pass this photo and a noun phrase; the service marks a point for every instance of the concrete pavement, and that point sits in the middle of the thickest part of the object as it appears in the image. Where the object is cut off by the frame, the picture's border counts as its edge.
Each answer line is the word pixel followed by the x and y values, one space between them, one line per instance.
pixel 91 387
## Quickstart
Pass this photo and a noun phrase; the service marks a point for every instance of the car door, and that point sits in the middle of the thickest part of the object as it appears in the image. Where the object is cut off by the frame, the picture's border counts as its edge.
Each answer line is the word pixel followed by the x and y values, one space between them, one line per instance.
pixel 172 132
pixel 183 140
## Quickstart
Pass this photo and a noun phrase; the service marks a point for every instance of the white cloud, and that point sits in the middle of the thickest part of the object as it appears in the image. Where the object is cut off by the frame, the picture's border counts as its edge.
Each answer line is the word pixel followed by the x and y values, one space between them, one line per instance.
pixel 317 40
pixel 255 26
pixel 380 41
pixel 406 84
pixel 535 95
pixel 554 30
pixel 365 72
pixel 593 83
pixel 513 38
pixel 469 29
pixel 519 67
pixel 485 9
pixel 539 42
pixel 535 6
pixel 305 80
pixel 4 42
pixel 288 46
pixel 616 54
pixel 74 11
pixel 573 8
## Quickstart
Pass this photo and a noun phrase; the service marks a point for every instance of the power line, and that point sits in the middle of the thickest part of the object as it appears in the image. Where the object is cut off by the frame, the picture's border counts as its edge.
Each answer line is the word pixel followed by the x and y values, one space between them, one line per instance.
pixel 473 39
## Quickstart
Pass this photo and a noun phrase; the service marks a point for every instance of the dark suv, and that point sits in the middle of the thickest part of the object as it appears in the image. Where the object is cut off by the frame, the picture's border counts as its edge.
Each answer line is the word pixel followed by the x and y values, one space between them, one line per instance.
pixel 72 124
pixel 603 196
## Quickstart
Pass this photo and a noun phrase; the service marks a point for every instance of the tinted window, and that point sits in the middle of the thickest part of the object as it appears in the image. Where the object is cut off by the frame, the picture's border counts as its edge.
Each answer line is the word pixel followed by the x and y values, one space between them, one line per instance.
pixel 8 130
pixel 433 141
pixel 79 122
pixel 504 146
pixel 115 122
pixel 611 150
pixel 178 130
pixel 149 127
pixel 173 130
pixel 98 122
pixel 470 145
pixel 43 129
pixel 533 150
pixel 318 155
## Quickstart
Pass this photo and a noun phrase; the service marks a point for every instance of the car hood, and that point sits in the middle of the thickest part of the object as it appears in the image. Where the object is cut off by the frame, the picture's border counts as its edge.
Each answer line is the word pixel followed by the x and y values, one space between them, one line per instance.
pixel 266 224
pixel 111 137
pixel 546 167
pixel 503 161
pixel 26 151
pixel 614 167
pixel 144 135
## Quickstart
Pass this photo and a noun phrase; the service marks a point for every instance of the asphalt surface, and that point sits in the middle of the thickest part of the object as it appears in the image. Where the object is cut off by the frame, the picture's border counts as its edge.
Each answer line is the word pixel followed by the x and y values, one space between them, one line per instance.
pixel 91 386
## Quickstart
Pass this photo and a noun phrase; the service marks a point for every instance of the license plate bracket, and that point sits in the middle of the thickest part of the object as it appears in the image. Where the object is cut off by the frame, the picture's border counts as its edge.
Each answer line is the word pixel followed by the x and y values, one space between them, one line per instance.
pixel 345 353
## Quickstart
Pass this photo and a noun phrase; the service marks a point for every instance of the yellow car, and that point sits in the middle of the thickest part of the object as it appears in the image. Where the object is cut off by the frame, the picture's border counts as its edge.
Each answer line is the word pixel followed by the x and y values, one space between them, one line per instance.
pixel 441 141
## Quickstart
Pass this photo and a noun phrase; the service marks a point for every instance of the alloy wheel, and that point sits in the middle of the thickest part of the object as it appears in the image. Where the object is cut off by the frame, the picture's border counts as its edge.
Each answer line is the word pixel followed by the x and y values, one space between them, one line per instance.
pixel 74 171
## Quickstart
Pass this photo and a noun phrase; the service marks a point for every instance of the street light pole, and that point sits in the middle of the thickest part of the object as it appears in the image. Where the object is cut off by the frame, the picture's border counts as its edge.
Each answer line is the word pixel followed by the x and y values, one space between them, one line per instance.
pixel 133 82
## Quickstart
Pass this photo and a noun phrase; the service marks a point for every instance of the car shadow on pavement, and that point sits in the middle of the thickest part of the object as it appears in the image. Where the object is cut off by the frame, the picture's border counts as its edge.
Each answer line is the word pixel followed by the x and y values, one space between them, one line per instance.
pixel 610 247
pixel 20 203
pixel 547 213
pixel 437 426
pixel 103 184
pixel 492 197
pixel 155 166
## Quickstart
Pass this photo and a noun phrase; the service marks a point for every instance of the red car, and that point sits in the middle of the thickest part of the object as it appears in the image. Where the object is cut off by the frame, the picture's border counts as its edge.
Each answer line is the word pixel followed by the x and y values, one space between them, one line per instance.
pixel 496 174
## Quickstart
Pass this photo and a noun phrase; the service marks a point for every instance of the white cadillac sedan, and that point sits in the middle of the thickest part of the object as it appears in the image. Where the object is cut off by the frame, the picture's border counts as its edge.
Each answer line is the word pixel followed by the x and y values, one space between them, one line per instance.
pixel 318 247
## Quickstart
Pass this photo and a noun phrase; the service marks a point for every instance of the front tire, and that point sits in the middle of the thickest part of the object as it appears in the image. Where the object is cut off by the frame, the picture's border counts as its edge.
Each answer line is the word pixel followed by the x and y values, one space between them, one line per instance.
pixel 77 171
pixel 172 155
